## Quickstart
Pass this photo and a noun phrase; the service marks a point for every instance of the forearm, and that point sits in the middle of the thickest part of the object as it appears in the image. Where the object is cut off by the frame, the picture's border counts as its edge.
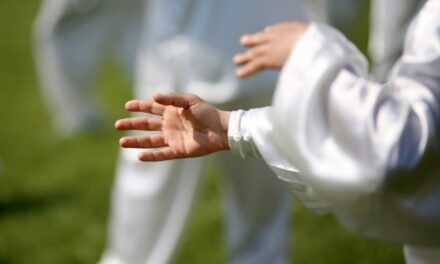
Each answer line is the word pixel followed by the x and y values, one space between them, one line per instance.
pixel 251 135
pixel 346 133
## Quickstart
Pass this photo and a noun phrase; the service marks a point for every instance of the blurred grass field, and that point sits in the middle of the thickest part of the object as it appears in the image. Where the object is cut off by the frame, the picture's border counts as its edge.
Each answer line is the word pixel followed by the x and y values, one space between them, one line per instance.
pixel 54 194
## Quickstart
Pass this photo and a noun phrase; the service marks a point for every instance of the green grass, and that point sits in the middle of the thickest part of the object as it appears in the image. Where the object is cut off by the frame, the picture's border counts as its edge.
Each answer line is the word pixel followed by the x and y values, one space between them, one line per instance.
pixel 54 193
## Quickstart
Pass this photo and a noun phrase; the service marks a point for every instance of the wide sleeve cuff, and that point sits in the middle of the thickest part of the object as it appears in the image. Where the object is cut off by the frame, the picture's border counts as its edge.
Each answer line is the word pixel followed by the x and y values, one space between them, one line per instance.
pixel 239 135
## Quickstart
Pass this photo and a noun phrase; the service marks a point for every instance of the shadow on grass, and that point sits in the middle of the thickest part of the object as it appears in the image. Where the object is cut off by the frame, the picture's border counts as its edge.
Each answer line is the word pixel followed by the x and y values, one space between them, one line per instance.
pixel 32 203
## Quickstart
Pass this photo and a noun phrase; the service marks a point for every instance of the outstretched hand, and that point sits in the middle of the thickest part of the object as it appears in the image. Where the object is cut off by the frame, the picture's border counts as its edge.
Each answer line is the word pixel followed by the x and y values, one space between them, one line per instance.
pixel 187 125
pixel 268 49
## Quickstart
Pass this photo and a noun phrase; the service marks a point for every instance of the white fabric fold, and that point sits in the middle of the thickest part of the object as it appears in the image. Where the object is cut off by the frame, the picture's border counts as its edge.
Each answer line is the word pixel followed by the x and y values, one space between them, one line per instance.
pixel 368 150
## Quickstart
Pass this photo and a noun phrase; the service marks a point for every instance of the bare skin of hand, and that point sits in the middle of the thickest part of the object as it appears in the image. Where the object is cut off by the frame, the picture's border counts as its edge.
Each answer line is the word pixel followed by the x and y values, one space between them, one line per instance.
pixel 268 49
pixel 189 127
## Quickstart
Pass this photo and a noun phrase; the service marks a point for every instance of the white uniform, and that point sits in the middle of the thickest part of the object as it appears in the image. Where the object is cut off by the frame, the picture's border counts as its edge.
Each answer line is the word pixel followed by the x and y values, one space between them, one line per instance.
pixel 367 151
pixel 183 45
pixel 187 46
pixel 71 38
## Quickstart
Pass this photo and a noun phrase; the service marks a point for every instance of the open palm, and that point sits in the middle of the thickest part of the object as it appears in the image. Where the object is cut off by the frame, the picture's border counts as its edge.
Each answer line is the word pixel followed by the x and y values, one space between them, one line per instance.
pixel 189 127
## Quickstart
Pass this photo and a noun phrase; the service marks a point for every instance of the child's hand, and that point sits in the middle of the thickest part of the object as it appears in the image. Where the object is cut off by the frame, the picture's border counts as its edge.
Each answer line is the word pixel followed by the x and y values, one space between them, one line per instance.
pixel 268 49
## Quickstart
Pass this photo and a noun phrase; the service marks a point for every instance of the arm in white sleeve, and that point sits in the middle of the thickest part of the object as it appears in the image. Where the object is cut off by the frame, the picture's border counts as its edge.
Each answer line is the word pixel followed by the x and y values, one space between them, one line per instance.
pixel 250 134
pixel 367 150
pixel 347 133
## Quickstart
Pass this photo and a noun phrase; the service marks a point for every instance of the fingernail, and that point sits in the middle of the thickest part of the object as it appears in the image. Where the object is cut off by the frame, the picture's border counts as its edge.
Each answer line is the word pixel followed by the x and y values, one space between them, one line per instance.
pixel 140 157
pixel 238 73
pixel 236 58
pixel 130 103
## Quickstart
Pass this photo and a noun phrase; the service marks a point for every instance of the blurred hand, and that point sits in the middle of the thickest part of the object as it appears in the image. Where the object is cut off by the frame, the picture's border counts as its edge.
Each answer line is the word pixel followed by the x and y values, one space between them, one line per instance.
pixel 268 49
pixel 190 127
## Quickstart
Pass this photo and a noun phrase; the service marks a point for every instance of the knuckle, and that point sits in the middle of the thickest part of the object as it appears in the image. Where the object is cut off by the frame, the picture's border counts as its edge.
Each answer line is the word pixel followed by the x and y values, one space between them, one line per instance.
pixel 258 64
pixel 252 53
pixel 256 37
pixel 268 29
pixel 261 37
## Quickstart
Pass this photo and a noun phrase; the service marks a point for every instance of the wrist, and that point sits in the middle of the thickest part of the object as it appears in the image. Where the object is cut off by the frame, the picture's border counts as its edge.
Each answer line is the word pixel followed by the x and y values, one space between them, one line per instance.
pixel 224 125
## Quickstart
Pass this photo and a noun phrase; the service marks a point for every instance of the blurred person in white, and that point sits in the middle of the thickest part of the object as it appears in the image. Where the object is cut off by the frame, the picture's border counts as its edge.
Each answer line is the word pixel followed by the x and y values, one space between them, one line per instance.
pixel 182 45
pixel 186 46
pixel 364 150
pixel 72 36
pixel 71 39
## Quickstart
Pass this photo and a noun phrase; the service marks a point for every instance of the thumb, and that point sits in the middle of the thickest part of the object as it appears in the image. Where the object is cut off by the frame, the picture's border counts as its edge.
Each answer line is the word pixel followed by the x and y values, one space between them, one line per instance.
pixel 180 100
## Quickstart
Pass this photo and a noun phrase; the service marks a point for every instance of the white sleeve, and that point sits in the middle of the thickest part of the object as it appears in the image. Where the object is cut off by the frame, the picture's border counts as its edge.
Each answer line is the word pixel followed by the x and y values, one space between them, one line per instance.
pixel 347 135
pixel 251 134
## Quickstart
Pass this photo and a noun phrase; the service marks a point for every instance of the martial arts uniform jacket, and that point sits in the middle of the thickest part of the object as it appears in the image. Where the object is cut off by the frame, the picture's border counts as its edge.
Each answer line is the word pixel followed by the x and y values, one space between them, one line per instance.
pixel 367 151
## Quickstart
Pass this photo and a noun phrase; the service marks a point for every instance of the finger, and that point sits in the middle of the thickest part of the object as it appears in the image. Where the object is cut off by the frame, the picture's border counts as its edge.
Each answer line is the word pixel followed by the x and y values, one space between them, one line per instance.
pixel 250 54
pixel 158 155
pixel 279 26
pixel 241 58
pixel 269 28
pixel 253 39
pixel 150 141
pixel 139 123
pixel 176 99
pixel 146 106
pixel 294 27
pixel 250 68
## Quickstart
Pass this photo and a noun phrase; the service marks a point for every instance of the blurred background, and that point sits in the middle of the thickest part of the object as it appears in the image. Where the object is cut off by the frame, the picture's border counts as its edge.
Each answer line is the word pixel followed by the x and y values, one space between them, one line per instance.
pixel 54 193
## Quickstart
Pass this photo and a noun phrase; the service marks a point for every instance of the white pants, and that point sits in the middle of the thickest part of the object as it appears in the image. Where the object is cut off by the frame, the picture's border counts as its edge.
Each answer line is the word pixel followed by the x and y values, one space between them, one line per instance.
pixel 71 38
pixel 338 13
pixel 151 202
pixel 389 22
